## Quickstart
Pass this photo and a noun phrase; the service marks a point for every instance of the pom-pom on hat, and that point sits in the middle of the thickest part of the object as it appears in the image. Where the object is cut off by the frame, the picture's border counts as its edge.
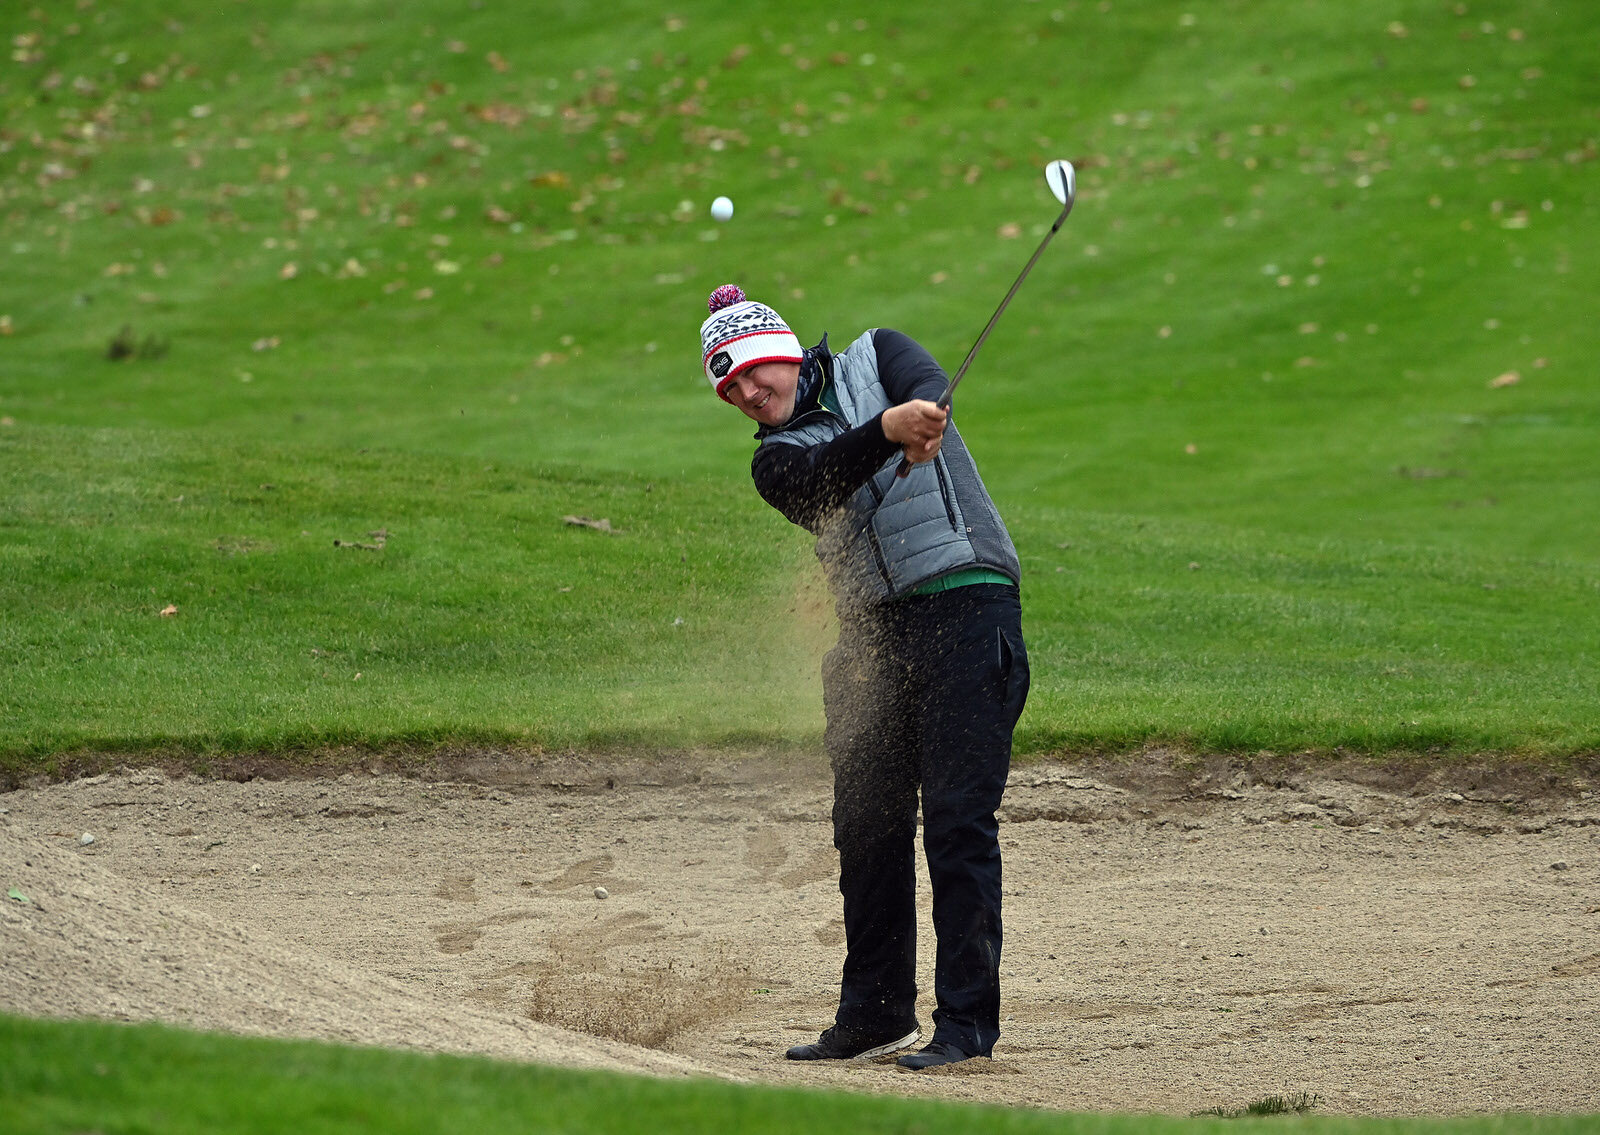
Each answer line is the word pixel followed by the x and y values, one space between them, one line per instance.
pixel 741 333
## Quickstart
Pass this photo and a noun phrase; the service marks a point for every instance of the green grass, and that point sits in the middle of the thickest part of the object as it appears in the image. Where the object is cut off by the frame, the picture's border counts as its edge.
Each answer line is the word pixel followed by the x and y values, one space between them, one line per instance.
pixel 82 1076
pixel 482 615
pixel 1305 246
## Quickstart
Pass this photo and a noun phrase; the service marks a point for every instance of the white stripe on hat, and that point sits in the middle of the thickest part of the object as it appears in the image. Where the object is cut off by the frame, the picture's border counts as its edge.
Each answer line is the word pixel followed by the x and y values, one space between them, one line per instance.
pixel 744 335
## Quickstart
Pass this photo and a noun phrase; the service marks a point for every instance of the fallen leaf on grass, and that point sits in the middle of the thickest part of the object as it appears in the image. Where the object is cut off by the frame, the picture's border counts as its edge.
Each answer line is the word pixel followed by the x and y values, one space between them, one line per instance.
pixel 168 611
pixel 380 537
pixel 1510 378
pixel 601 525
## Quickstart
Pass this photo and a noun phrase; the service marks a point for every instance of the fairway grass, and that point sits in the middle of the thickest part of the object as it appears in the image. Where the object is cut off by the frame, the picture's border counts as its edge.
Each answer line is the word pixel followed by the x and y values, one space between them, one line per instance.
pixel 60 1077
pixel 1293 427
pixel 479 615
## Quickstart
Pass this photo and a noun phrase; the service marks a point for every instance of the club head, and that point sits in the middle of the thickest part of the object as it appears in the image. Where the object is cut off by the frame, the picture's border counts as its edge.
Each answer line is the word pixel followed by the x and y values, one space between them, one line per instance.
pixel 1062 179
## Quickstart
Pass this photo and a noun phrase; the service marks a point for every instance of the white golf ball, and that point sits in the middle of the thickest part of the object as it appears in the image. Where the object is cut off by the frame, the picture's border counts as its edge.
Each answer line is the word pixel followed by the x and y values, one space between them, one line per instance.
pixel 721 209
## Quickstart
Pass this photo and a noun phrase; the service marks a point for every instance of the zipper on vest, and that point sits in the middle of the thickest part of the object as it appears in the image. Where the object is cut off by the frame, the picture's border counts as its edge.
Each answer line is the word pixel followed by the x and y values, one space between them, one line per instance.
pixel 872 534
pixel 877 554
pixel 945 495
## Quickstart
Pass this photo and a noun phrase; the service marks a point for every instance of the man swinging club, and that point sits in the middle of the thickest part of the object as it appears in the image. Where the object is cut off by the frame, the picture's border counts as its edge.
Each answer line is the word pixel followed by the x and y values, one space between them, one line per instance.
pixel 929 675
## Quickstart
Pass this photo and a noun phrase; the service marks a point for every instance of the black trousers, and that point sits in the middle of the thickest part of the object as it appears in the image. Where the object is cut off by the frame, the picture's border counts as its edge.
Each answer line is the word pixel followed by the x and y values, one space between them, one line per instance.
pixel 924 692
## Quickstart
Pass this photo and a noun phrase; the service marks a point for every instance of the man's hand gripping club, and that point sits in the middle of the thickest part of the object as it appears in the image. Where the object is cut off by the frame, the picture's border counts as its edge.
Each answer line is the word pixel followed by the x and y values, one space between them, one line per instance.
pixel 917 427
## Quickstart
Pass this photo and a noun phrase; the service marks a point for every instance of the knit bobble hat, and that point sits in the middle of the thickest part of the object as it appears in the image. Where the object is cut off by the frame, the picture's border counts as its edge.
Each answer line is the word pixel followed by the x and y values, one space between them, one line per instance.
pixel 741 333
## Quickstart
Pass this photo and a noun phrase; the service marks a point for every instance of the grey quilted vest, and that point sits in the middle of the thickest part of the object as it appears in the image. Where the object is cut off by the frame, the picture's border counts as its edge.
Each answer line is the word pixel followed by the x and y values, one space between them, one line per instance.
pixel 897 533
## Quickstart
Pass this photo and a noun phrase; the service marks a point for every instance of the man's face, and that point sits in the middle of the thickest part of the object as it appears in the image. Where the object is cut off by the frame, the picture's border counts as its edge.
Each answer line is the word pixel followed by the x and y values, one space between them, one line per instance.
pixel 765 392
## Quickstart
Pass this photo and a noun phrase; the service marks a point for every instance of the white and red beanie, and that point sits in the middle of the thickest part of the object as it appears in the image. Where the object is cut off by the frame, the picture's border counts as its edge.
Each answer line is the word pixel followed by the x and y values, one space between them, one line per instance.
pixel 741 333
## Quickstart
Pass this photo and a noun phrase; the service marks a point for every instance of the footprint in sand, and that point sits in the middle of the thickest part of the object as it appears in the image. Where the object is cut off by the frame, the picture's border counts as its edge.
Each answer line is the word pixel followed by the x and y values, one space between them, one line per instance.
pixel 821 865
pixel 456 939
pixel 832 934
pixel 594 871
pixel 456 888
pixel 461 937
pixel 764 853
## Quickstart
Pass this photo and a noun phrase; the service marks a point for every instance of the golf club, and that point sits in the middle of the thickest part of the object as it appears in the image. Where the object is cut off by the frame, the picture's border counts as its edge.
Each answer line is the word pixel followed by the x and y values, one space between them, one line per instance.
pixel 1063 182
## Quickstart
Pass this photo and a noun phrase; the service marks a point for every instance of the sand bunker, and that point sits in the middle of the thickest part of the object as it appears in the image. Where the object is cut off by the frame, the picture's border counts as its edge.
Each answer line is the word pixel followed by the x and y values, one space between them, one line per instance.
pixel 1171 944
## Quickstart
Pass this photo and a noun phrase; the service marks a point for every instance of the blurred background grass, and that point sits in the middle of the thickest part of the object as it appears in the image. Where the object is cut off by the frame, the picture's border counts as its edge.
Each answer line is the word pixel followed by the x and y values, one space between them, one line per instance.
pixel 1293 425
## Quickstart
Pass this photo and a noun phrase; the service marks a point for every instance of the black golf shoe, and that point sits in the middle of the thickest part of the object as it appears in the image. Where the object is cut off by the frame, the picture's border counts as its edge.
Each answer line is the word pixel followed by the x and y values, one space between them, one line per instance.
pixel 934 1055
pixel 845 1044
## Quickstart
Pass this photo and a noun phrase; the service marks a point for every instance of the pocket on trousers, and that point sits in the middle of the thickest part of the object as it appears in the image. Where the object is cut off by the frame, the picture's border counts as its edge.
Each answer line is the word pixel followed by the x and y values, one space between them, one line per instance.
pixel 1011 656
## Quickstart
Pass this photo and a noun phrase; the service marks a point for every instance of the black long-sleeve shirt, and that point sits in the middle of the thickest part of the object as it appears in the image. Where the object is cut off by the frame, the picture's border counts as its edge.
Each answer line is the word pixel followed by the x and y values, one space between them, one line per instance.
pixel 805 483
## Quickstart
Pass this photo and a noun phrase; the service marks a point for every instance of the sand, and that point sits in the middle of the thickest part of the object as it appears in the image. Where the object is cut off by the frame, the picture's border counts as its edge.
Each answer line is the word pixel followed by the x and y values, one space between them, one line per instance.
pixel 1179 935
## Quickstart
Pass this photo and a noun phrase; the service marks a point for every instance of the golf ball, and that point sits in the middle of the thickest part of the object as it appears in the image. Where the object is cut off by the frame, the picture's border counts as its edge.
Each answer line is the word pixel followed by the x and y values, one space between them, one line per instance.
pixel 721 209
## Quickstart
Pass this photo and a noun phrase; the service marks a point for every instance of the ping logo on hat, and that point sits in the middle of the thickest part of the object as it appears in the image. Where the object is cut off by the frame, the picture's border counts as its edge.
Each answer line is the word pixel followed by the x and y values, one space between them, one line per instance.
pixel 741 333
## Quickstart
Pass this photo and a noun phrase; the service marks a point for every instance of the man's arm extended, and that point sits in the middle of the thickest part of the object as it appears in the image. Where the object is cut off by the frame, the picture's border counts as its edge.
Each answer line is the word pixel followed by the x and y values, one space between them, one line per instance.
pixel 805 483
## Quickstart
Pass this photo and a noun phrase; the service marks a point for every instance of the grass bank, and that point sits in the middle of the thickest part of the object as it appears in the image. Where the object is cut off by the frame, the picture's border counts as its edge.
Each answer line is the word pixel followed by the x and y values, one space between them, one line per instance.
pixel 322 598
pixel 1292 426
pixel 59 1077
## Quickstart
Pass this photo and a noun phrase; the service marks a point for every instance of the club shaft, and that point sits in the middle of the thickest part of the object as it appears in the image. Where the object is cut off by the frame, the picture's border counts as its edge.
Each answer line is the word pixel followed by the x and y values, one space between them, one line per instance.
pixel 961 371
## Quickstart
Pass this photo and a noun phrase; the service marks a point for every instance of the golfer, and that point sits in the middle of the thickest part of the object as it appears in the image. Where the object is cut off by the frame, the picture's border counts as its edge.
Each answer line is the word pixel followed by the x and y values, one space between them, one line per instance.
pixel 929 675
